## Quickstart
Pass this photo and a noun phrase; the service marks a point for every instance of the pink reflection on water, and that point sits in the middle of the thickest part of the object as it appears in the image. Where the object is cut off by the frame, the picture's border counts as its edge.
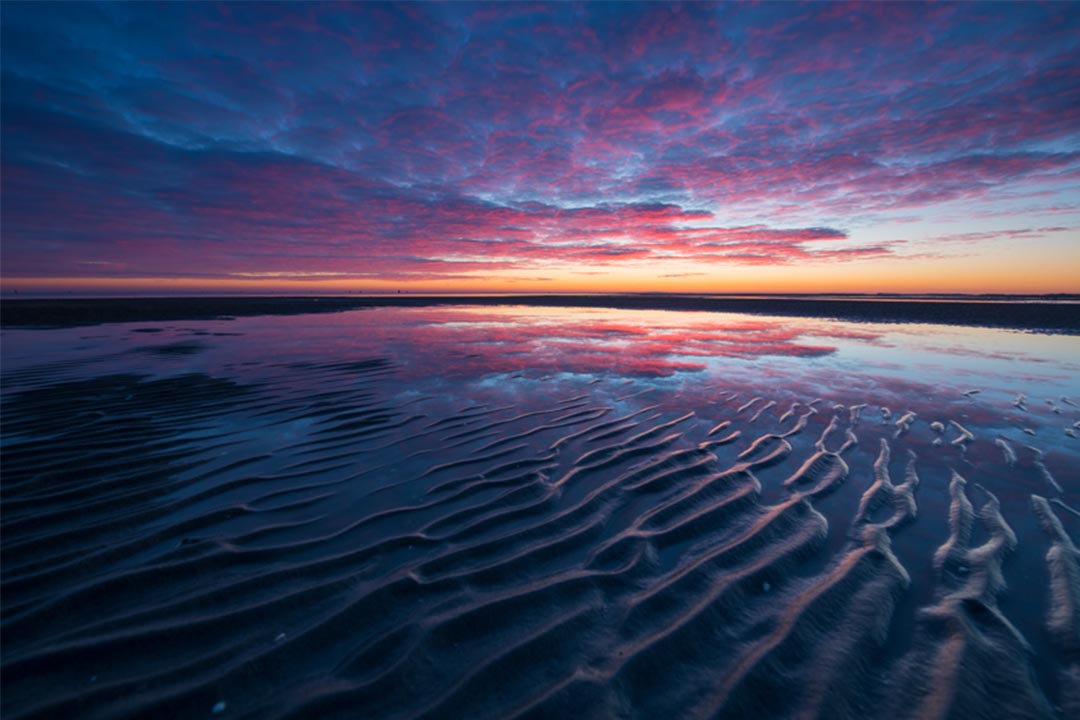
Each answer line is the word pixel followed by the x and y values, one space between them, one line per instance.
pixel 466 365
pixel 491 341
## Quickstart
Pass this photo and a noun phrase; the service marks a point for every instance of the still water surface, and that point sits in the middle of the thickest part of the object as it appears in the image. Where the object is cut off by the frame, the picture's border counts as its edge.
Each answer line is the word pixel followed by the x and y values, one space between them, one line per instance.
pixel 490 511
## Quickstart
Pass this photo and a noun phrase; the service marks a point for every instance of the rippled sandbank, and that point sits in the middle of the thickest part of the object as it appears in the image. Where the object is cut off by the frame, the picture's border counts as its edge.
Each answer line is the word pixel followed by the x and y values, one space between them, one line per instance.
pixel 508 511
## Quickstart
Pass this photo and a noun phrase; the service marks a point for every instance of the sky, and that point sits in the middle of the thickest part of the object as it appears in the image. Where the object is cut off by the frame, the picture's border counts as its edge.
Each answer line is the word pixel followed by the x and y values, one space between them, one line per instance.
pixel 516 147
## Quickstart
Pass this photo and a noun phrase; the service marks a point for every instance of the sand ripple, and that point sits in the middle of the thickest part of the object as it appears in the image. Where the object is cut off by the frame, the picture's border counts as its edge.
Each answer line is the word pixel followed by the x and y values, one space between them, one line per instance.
pixel 322 543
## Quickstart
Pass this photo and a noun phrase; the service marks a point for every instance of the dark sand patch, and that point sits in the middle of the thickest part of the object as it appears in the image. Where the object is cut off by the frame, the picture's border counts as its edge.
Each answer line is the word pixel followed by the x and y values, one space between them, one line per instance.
pixel 177 348
pixel 1036 314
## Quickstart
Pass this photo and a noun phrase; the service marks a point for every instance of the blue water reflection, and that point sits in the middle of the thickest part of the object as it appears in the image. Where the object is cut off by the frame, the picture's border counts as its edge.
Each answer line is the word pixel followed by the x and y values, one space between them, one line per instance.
pixel 423 464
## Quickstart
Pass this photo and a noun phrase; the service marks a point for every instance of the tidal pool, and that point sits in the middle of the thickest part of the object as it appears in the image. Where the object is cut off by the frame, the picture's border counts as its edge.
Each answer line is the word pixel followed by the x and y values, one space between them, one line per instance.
pixel 540 512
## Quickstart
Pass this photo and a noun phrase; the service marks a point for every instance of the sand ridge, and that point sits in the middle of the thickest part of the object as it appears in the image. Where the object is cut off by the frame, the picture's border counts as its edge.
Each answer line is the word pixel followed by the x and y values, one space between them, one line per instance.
pixel 328 540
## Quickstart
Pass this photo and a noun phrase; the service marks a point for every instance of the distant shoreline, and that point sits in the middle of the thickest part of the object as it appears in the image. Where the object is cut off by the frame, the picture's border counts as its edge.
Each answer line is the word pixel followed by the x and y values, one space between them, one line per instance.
pixel 1047 314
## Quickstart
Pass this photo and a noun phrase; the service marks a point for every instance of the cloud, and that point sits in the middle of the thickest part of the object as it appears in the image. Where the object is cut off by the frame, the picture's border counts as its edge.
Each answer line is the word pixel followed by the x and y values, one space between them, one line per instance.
pixel 149 208
pixel 1009 234
pixel 441 140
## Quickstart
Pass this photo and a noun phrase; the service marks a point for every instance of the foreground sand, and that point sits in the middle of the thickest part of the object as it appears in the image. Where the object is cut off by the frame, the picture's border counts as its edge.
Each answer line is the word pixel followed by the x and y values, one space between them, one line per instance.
pixel 586 514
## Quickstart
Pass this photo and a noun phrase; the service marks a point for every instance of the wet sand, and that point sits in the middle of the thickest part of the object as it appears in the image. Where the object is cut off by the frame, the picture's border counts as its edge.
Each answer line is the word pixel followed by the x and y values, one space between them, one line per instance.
pixel 281 518
pixel 1038 314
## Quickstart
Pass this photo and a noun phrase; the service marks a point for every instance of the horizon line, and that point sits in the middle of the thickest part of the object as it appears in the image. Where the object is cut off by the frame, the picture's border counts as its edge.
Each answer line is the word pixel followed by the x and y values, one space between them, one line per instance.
pixel 282 294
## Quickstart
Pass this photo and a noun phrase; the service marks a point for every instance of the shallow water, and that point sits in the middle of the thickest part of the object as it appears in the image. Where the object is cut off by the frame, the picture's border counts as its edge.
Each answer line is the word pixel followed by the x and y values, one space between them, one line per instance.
pixel 504 511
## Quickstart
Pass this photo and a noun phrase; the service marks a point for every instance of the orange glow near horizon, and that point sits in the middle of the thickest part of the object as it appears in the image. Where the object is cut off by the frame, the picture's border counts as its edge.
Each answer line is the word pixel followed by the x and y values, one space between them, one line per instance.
pixel 933 279
pixel 1013 270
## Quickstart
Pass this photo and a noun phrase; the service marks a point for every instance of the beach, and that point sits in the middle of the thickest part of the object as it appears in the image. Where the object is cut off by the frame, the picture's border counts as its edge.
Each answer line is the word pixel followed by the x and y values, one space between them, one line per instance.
pixel 1039 313
pixel 631 506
